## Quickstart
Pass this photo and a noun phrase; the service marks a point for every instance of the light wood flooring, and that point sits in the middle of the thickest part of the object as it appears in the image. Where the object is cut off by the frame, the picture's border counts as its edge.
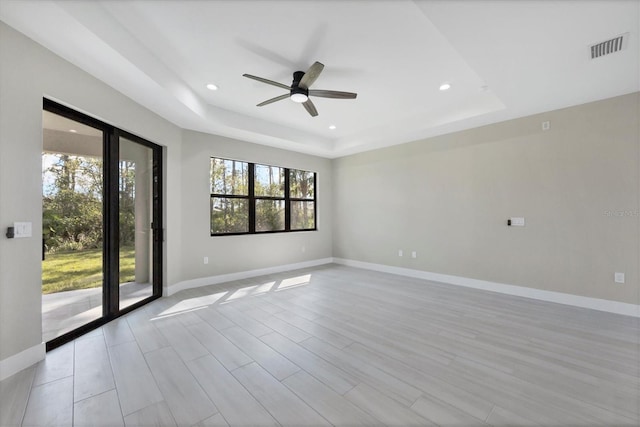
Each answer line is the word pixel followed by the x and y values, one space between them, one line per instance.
pixel 338 346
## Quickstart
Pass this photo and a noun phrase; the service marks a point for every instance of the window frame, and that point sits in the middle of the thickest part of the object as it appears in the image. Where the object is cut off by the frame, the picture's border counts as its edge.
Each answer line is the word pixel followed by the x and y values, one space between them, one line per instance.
pixel 250 187
pixel 301 199
pixel 285 192
pixel 252 198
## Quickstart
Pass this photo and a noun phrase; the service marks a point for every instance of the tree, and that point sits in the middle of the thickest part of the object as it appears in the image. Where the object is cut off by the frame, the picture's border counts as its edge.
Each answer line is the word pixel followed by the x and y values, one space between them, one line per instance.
pixel 72 202
pixel 126 191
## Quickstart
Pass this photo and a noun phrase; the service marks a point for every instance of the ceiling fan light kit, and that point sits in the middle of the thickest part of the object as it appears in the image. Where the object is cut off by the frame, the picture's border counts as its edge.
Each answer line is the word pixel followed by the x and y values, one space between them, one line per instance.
pixel 298 94
pixel 299 91
pixel 299 97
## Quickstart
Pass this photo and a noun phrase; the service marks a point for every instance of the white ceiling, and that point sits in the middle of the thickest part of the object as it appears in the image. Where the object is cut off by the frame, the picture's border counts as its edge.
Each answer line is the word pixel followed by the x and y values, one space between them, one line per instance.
pixel 503 60
pixel 55 122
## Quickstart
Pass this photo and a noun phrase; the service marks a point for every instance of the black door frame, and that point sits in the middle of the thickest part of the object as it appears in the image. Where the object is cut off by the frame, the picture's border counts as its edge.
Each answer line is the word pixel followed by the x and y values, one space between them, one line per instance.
pixel 111 247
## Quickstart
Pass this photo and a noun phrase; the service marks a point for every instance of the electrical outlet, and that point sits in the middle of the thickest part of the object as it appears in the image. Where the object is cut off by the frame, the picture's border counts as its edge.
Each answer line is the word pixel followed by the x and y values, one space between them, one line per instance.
pixel 400 252
pixel 618 277
pixel 206 260
pixel 546 125
pixel 414 254
pixel 303 249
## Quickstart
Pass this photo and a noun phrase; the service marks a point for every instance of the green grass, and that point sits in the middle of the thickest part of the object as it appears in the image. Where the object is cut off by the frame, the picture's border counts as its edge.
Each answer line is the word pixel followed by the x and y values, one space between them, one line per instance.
pixel 68 271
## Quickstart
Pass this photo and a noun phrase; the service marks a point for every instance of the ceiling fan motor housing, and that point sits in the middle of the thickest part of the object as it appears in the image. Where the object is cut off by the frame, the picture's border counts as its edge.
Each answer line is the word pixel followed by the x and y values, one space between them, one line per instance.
pixel 297 76
pixel 295 88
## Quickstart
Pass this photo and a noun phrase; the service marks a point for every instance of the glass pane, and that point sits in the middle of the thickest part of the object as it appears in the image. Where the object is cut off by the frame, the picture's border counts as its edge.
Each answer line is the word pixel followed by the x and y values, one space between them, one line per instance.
pixel 269 215
pixel 229 177
pixel 229 215
pixel 269 181
pixel 72 225
pixel 301 184
pixel 135 191
pixel 302 215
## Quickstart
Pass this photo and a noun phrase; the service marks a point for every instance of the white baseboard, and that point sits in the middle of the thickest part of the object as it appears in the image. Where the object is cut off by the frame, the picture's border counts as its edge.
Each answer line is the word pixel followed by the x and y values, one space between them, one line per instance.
pixel 222 278
pixel 521 291
pixel 16 363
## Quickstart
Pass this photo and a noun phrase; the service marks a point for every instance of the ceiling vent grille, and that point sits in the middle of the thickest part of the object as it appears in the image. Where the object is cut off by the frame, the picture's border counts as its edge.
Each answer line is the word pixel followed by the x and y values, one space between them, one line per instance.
pixel 608 47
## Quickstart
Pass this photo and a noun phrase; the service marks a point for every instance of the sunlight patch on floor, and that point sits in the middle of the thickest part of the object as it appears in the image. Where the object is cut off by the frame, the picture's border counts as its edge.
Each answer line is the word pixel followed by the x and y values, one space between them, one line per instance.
pixel 295 282
pixel 166 314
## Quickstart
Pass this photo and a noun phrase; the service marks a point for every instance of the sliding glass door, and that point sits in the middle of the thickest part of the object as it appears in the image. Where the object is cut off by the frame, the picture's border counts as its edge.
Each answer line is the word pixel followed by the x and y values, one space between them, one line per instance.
pixel 102 216
pixel 72 224
pixel 135 196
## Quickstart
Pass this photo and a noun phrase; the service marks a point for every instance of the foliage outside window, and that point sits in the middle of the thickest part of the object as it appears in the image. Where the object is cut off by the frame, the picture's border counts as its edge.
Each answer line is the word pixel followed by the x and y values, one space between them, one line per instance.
pixel 72 202
pixel 255 198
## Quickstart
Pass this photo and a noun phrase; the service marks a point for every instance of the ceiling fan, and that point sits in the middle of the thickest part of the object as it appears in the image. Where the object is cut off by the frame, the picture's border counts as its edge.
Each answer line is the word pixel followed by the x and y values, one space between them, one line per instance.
pixel 299 90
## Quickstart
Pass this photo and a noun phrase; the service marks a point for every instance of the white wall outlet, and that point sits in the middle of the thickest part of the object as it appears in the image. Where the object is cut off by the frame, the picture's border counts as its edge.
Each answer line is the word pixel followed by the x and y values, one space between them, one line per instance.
pixel 517 221
pixel 618 277
pixel 546 125
pixel 414 254
pixel 21 229
pixel 206 260
pixel 303 249
pixel 400 252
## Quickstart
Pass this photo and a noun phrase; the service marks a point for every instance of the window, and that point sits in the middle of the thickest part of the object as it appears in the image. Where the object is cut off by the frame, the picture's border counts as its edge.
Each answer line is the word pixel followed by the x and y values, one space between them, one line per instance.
pixel 270 198
pixel 255 198
pixel 229 196
pixel 302 196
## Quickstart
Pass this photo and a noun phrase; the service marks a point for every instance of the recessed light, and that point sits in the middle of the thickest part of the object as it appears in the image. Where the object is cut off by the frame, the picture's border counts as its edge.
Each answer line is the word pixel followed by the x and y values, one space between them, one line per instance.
pixel 332 127
pixel 211 86
pixel 73 130
pixel 445 86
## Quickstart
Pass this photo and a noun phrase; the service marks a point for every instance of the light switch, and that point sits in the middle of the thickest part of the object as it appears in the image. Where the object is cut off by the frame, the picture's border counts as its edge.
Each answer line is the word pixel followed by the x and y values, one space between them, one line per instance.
pixel 517 221
pixel 21 229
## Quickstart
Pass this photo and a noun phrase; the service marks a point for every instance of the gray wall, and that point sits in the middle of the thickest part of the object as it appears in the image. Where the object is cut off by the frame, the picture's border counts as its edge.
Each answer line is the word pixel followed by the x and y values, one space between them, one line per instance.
pixel 29 72
pixel 449 197
pixel 229 254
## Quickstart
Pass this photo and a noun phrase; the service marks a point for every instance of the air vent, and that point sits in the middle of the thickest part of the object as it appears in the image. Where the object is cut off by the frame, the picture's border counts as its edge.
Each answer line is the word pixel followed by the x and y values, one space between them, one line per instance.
pixel 608 47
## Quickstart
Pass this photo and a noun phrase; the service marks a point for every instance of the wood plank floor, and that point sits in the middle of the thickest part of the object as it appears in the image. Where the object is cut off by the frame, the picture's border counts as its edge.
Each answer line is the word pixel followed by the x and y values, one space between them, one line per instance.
pixel 338 346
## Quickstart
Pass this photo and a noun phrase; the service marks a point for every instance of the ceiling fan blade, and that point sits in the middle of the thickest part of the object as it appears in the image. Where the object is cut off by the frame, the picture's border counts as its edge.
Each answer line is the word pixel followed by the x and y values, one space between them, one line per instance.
pixel 332 94
pixel 308 105
pixel 267 81
pixel 311 75
pixel 272 100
